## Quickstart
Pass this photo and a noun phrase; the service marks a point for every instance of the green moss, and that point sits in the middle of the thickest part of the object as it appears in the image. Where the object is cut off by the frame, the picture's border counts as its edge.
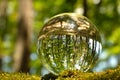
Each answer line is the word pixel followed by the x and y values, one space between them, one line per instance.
pixel 18 76
pixel 66 75
pixel 77 75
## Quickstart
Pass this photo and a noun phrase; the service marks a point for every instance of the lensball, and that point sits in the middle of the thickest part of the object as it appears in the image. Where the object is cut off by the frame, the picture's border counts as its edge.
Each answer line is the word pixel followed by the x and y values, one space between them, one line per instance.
pixel 69 41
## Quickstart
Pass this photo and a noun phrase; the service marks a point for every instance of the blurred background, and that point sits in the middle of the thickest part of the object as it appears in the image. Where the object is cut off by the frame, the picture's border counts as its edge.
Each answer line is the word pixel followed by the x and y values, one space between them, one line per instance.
pixel 21 21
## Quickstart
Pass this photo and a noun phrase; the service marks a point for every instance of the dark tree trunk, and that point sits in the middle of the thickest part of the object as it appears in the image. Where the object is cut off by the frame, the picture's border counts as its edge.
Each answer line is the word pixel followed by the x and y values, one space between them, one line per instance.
pixel 85 7
pixel 22 50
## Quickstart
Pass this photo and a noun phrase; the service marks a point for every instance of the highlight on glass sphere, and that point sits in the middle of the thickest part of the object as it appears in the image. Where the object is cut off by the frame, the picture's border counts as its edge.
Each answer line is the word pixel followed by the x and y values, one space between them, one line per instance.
pixel 69 41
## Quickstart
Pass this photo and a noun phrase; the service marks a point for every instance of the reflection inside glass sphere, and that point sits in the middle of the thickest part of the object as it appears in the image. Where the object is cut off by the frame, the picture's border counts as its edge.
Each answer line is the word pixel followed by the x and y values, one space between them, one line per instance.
pixel 69 41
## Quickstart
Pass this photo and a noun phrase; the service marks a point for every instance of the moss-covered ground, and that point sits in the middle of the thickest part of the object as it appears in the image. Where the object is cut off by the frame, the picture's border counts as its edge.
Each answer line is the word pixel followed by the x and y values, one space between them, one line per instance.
pixel 113 74
pixel 18 76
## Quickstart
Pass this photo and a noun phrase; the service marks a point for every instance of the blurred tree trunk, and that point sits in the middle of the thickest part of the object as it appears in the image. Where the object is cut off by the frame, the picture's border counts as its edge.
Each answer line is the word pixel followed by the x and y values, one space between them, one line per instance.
pixel 85 7
pixel 22 50
pixel 3 25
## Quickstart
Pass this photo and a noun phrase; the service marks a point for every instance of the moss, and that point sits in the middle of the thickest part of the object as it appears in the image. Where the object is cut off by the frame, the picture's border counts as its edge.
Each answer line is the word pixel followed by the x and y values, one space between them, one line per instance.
pixel 17 76
pixel 66 75
pixel 77 75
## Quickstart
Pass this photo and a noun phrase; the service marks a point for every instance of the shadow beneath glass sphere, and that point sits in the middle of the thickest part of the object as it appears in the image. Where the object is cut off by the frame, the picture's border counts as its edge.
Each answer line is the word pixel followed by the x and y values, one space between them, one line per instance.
pixel 49 76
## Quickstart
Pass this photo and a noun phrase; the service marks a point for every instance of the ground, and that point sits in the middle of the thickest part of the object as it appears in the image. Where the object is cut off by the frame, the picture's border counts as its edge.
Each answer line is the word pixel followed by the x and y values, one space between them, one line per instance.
pixel 112 74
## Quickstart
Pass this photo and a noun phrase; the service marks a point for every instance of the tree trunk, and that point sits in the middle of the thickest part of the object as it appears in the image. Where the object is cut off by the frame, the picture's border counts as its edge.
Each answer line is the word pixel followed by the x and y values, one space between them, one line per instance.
pixel 22 50
pixel 3 25
pixel 85 7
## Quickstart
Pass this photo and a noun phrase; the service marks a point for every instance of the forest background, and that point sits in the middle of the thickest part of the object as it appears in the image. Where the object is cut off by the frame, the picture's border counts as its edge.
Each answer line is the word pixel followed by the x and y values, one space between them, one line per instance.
pixel 21 21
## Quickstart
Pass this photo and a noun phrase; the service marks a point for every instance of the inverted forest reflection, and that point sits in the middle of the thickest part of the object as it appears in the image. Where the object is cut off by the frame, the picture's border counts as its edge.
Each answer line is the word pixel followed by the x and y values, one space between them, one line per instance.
pixel 69 41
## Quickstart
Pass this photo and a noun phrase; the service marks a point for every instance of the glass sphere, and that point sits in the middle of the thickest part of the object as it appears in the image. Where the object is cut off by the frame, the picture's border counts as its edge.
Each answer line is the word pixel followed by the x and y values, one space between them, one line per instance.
pixel 69 41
